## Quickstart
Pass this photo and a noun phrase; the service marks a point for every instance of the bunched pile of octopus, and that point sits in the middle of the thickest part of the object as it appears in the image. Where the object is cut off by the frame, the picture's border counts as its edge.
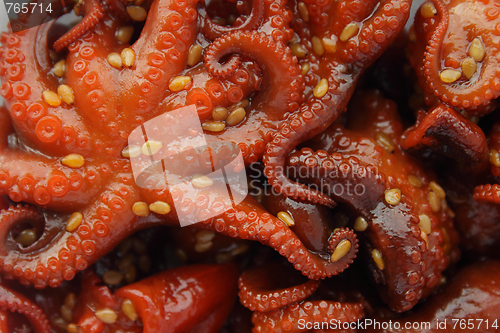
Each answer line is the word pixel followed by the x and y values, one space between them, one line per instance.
pixel 371 155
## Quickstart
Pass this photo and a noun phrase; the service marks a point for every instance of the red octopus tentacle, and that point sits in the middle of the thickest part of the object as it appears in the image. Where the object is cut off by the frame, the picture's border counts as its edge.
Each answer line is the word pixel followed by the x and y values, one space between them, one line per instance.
pixel 275 101
pixel 287 319
pixel 448 132
pixel 484 85
pixel 487 193
pixel 93 13
pixel 15 302
pixel 47 182
pixel 352 159
pixel 159 59
pixel 95 82
pixel 212 30
pixel 50 128
pixel 69 248
pixel 319 112
pixel 258 293
pixel 247 220
pixel 270 17
pixel 406 242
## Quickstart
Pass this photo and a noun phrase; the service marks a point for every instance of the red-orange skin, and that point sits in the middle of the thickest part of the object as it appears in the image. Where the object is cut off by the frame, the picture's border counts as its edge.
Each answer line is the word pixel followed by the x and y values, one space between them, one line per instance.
pixel 165 302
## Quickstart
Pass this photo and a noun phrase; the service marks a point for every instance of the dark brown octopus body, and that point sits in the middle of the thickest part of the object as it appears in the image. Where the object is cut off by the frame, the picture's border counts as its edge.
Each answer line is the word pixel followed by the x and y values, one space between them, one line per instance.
pixel 471 296
pixel 342 39
pixel 401 211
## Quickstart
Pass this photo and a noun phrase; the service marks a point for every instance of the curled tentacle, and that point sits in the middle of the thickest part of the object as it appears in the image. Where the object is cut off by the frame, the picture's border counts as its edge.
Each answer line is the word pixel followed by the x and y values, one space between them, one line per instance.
pixel 16 302
pixel 450 47
pixel 287 319
pixel 165 302
pixel 248 221
pixel 98 229
pixel 449 133
pixel 260 289
pixel 93 13
pixel 273 102
pixel 212 30
pixel 270 17
pixel 340 69
pixel 159 59
pixel 362 171
pixel 487 193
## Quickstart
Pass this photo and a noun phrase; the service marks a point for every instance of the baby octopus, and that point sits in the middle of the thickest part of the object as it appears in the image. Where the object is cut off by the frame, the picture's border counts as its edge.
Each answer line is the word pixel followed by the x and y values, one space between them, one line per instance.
pixel 336 40
pixel 408 237
pixel 64 151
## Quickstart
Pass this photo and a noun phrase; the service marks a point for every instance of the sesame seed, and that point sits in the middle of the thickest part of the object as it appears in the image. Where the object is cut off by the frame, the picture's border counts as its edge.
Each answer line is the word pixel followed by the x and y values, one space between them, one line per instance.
pixel 377 257
pixel 469 67
pixel 106 315
pixel 140 209
pixel 428 10
pixel 341 250
pixel 236 116
pixel 115 60
pixel 477 50
pixel 51 98
pixel 286 218
pixel 124 34
pixel 73 161
pixel 137 13
pixel 393 196
pixel 74 221
pixel 194 55
pixel 178 83
pixel 450 75
pixel 128 309
pixel 160 207
pixel 361 224
pixel 201 181
pixel 321 88
pixel 425 223
pixel 213 126
pixel 128 57
pixel 349 31
pixel 303 11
